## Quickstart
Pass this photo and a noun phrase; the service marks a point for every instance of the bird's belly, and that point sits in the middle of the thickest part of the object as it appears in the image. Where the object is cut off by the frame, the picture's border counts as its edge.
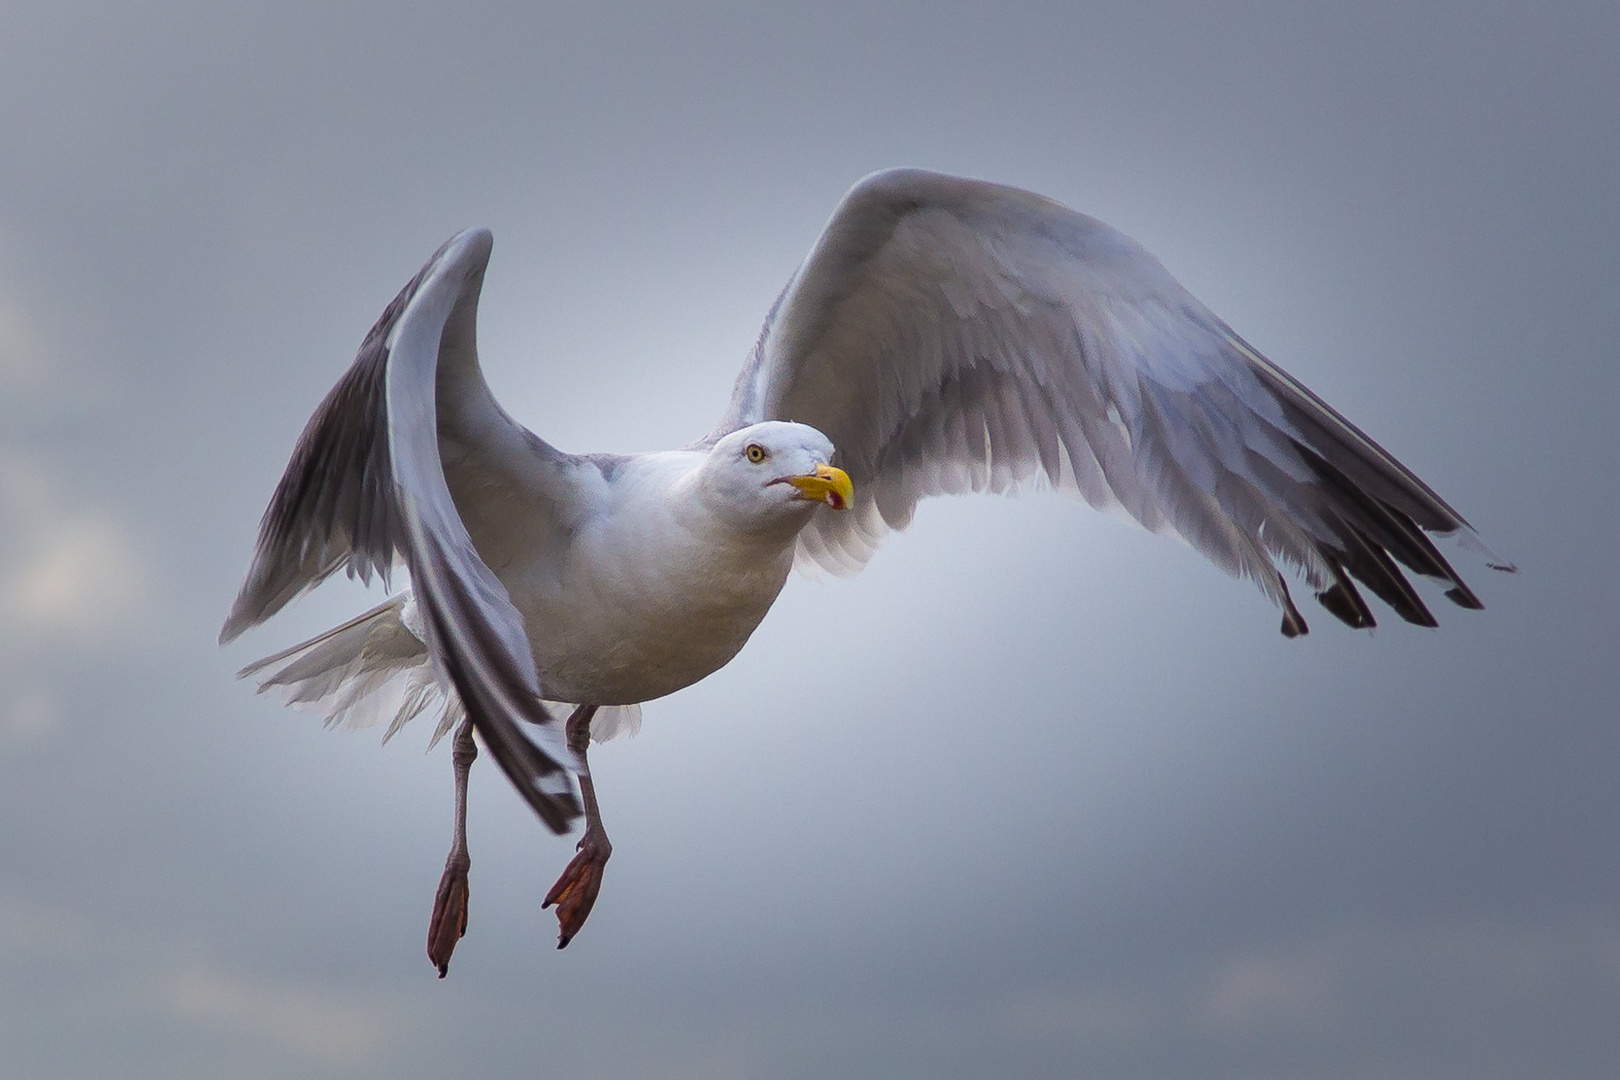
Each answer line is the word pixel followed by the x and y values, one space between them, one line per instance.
pixel 626 636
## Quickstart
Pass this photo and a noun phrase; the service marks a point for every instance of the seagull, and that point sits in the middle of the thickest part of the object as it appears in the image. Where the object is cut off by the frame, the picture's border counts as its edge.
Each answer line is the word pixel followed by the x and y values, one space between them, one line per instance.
pixel 945 335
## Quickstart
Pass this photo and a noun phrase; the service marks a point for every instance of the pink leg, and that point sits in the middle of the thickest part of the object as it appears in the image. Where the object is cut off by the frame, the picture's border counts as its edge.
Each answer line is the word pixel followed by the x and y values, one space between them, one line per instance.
pixel 575 891
pixel 449 922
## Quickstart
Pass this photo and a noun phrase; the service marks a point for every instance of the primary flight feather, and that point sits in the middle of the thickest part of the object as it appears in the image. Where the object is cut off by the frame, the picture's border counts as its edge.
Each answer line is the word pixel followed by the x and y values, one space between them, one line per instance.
pixel 945 335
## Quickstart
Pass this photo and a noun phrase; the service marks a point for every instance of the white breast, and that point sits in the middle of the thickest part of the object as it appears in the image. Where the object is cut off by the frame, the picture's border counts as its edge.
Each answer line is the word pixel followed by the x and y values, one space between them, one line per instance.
pixel 651 594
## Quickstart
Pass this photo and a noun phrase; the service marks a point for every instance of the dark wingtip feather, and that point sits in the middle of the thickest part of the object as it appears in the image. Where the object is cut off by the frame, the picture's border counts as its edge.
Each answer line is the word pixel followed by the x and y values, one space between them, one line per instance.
pixel 1371 565
pixel 1345 604
pixel 1293 623
pixel 1343 599
pixel 1372 535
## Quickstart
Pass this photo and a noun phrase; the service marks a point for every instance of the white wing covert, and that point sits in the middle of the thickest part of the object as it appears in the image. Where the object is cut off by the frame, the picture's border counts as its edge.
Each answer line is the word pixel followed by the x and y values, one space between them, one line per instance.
pixel 368 484
pixel 951 335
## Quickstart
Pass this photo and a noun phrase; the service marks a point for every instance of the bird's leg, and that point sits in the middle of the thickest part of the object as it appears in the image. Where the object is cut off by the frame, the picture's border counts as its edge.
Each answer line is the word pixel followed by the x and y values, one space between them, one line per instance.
pixel 449 922
pixel 575 891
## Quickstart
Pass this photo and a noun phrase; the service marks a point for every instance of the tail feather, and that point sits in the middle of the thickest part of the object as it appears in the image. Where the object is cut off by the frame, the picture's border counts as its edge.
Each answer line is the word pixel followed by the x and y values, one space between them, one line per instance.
pixel 376 667
pixel 373 668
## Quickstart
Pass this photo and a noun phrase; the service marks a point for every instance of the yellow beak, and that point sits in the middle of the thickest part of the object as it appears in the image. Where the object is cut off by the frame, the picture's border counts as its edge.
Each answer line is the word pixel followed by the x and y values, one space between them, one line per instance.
pixel 827 484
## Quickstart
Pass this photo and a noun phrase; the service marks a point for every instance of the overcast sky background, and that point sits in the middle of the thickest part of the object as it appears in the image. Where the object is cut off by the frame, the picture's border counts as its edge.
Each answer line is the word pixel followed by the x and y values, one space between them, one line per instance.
pixel 1036 795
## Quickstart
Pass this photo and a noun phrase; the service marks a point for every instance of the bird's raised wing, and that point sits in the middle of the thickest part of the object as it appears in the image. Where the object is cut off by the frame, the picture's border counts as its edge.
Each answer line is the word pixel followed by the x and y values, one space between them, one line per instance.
pixel 952 335
pixel 368 483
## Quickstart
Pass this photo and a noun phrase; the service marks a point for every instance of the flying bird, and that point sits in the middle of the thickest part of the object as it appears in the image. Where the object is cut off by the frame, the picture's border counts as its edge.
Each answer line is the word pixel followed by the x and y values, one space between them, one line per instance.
pixel 945 335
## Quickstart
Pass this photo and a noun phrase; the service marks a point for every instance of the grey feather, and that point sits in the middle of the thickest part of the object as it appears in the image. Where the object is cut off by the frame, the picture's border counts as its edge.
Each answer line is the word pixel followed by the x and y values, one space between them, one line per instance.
pixel 369 482
pixel 374 667
pixel 951 335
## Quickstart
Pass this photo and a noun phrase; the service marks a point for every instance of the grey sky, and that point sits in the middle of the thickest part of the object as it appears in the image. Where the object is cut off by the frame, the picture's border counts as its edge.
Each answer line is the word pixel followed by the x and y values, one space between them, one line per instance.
pixel 1059 800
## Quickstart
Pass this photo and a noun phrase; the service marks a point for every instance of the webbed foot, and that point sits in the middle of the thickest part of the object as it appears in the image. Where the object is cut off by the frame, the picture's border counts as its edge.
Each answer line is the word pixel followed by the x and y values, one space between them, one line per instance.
pixel 449 922
pixel 575 891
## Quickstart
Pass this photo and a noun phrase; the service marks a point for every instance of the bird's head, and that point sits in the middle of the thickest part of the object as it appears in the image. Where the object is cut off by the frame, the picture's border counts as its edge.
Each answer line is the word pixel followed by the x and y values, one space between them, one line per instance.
pixel 770 476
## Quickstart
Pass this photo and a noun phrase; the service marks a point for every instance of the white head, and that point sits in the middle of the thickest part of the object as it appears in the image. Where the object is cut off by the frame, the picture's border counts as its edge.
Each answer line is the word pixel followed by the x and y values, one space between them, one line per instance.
pixel 769 477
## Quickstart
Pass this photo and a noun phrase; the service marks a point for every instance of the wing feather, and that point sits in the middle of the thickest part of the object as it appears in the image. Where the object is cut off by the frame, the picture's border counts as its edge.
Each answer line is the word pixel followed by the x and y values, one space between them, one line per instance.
pixel 951 335
pixel 367 485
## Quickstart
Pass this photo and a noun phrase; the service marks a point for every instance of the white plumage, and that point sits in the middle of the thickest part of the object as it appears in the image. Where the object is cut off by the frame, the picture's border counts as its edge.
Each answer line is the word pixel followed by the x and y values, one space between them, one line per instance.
pixel 945 335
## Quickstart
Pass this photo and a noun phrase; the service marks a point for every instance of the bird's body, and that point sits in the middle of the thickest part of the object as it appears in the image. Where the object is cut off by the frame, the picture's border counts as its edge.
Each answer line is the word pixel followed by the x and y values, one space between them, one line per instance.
pixel 647 592
pixel 944 335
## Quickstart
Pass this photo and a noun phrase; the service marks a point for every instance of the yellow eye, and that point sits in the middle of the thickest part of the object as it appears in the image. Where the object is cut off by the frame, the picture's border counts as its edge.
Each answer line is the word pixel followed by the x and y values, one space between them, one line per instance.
pixel 755 453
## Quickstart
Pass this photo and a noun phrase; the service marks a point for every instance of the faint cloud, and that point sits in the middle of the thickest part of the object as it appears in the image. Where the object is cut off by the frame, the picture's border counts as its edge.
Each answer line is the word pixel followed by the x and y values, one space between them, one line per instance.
pixel 45 346
pixel 314 1024
pixel 67 571
pixel 1479 968
pixel 82 578
pixel 318 1026
pixel 1254 993
pixel 685 1054
pixel 1086 1015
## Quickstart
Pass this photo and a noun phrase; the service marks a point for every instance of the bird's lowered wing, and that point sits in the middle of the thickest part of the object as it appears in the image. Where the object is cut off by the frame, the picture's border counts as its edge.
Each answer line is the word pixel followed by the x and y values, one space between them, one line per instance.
pixel 952 335
pixel 368 483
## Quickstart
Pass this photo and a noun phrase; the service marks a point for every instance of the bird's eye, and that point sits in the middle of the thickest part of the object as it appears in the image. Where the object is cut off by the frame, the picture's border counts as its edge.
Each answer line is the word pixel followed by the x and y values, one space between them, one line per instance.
pixel 755 453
